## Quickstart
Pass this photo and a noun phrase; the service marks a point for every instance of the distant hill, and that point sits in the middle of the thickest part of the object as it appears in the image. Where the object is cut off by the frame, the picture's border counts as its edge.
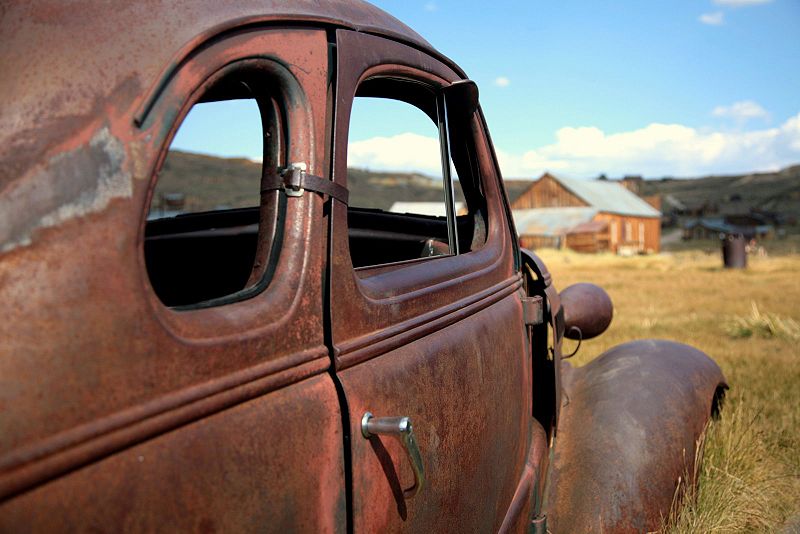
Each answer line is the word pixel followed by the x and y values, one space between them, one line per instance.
pixel 209 182
pixel 768 191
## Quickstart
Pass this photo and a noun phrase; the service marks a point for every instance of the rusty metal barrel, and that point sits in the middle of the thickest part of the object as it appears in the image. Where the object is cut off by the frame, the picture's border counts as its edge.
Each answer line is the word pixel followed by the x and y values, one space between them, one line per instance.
pixel 734 251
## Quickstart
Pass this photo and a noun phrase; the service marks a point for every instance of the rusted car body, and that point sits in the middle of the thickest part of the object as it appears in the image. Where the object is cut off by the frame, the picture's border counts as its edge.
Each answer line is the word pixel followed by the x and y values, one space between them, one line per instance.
pixel 285 403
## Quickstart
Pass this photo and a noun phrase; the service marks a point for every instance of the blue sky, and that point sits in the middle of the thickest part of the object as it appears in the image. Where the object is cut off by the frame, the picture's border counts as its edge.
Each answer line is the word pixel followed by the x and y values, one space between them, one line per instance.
pixel 657 87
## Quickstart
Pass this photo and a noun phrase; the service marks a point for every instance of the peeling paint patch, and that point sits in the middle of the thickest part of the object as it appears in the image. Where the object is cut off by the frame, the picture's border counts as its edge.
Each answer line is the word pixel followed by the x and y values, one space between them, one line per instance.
pixel 70 185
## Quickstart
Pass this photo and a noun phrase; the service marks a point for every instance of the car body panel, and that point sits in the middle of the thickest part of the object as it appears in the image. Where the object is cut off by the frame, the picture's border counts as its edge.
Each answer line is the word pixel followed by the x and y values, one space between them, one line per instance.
pixel 629 428
pixel 420 340
pixel 92 363
pixel 229 472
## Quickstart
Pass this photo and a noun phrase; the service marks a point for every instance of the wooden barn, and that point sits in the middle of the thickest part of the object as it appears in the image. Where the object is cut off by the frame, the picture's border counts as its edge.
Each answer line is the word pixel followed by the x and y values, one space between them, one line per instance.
pixel 585 215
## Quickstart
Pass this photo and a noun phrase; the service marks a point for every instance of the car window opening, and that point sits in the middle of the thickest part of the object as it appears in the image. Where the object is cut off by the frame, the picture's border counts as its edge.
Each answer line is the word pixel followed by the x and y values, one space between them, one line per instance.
pixel 211 235
pixel 399 192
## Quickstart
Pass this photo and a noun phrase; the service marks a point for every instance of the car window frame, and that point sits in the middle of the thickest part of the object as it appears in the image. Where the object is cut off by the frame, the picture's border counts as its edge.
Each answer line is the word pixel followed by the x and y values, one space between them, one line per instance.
pixel 397 293
pixel 436 86
pixel 173 99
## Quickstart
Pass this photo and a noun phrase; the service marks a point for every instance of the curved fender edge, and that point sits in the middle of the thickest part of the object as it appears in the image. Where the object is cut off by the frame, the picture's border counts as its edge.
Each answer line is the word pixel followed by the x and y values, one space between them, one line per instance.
pixel 630 421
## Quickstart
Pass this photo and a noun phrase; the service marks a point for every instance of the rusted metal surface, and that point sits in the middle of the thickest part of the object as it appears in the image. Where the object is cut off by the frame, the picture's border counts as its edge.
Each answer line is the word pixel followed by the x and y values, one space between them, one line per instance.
pixel 465 387
pixel 366 304
pixel 588 308
pixel 231 472
pixel 91 362
pixel 629 424
pixel 528 499
pixel 734 252
pixel 423 342
pixel 545 343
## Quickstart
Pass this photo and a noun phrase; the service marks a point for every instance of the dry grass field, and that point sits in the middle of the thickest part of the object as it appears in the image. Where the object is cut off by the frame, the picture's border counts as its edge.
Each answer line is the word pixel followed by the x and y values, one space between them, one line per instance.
pixel 747 320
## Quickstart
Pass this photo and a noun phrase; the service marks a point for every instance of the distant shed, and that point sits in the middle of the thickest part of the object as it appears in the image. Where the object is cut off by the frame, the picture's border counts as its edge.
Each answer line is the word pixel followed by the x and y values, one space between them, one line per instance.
pixel 626 223
pixel 426 208
pixel 591 236
pixel 548 227
pixel 716 227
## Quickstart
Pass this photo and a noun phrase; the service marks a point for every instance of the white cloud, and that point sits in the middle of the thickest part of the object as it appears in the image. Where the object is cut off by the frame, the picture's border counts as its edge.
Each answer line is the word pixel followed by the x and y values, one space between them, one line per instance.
pixel 740 3
pixel 742 111
pixel 502 81
pixel 408 152
pixel 430 7
pixel 713 19
pixel 655 150
pixel 659 150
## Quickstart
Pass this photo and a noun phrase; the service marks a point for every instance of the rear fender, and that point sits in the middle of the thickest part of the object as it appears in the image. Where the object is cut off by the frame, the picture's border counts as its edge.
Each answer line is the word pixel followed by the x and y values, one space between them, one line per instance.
pixel 629 424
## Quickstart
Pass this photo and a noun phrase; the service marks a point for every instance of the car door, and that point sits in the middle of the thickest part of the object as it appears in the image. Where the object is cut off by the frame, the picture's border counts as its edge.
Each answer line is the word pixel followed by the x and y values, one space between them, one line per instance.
pixel 170 371
pixel 434 335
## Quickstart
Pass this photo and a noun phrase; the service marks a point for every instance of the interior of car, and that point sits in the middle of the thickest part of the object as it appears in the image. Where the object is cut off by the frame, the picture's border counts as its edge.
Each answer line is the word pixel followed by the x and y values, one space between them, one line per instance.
pixel 207 257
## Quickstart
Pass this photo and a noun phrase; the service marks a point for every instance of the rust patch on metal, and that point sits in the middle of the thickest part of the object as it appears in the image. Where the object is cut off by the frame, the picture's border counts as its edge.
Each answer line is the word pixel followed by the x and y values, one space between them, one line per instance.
pixel 69 185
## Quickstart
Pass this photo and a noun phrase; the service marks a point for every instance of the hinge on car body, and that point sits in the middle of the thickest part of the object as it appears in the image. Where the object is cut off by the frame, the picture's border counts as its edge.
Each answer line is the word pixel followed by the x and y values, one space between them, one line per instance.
pixel 532 310
pixel 294 181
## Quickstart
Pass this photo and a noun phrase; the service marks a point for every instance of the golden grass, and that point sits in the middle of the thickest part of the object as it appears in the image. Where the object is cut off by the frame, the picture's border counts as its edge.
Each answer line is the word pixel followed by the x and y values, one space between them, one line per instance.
pixel 750 476
pixel 764 325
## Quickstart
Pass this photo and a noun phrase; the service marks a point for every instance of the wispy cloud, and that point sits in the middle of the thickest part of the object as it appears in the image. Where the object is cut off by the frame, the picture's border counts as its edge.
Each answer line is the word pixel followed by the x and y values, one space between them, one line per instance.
pixel 430 7
pixel 741 3
pixel 502 81
pixel 741 111
pixel 654 150
pixel 404 152
pixel 659 150
pixel 713 19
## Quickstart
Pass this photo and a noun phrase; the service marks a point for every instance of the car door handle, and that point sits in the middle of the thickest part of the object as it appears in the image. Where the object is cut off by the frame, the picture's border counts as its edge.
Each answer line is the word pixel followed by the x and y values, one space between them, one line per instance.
pixel 401 428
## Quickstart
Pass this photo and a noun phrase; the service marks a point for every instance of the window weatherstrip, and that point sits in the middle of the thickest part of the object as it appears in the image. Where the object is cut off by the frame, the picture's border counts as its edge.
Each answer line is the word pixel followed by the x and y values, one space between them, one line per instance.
pixel 444 145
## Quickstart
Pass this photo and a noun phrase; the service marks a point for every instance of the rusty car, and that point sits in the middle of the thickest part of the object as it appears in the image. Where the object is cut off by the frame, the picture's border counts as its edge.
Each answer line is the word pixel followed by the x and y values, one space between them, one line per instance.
pixel 299 362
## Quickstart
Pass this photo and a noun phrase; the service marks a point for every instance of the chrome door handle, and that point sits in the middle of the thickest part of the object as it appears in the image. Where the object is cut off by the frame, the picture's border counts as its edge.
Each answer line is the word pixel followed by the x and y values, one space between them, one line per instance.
pixel 401 428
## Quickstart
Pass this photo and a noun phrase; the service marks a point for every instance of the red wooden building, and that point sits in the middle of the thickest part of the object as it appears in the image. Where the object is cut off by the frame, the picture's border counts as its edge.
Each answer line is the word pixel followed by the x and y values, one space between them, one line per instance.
pixel 585 215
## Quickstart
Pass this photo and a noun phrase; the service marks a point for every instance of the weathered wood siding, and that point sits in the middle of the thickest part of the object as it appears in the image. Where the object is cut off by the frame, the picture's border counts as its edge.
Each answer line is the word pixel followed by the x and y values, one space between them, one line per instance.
pixel 546 192
pixel 535 242
pixel 589 242
pixel 642 234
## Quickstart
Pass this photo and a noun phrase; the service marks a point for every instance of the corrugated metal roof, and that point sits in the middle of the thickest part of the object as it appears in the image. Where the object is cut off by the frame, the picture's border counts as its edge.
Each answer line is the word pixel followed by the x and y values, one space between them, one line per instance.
pixel 424 208
pixel 589 227
pixel 718 224
pixel 609 197
pixel 674 202
pixel 550 221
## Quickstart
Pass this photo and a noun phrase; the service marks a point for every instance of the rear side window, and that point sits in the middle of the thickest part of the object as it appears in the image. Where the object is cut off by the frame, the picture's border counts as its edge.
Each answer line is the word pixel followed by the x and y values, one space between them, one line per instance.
pixel 394 167
pixel 406 177
pixel 211 235
pixel 207 166
pixel 394 163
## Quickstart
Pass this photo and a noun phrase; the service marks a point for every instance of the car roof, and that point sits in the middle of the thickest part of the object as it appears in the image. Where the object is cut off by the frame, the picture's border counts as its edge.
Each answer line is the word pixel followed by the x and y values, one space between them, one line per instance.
pixel 62 61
